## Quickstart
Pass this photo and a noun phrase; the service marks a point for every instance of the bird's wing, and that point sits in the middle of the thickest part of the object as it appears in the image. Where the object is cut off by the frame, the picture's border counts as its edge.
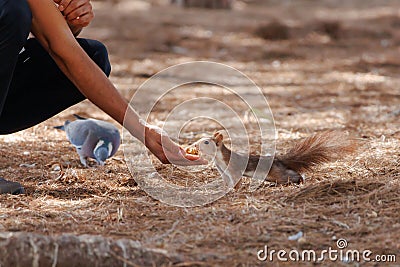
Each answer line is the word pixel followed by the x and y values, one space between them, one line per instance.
pixel 78 131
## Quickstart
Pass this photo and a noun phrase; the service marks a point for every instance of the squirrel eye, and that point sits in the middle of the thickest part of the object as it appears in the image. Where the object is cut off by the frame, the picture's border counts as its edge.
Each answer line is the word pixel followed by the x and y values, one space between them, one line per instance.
pixel 206 142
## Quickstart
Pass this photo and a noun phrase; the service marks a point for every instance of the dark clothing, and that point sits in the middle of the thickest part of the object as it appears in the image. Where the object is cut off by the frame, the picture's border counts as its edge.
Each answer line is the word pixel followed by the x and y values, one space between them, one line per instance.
pixel 8 187
pixel 32 87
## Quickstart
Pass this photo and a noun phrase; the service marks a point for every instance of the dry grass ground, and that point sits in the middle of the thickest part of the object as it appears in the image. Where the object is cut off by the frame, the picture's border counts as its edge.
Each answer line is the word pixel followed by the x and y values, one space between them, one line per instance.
pixel 336 67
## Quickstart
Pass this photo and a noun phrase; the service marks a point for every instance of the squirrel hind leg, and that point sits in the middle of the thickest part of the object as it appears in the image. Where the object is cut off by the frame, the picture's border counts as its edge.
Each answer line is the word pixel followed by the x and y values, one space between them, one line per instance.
pixel 291 177
pixel 280 174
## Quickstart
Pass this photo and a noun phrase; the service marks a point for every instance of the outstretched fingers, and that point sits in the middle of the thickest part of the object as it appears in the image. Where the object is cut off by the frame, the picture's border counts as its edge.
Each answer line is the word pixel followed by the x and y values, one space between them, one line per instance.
pixel 168 151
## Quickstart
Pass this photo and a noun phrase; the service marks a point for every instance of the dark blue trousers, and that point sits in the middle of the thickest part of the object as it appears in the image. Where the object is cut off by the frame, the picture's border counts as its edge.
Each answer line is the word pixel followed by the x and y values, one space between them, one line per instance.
pixel 32 87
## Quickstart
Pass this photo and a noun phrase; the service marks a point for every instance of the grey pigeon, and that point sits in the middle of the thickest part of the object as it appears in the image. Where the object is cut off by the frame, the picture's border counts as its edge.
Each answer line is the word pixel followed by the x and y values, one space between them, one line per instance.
pixel 92 138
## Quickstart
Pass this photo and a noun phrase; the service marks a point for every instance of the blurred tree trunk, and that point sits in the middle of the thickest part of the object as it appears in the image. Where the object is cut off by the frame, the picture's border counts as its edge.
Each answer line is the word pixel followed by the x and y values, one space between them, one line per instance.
pixel 29 249
pixel 213 4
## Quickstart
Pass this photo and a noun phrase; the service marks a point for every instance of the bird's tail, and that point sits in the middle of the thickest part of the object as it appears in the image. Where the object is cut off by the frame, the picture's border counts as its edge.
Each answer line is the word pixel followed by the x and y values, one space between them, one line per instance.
pixel 316 149
pixel 62 127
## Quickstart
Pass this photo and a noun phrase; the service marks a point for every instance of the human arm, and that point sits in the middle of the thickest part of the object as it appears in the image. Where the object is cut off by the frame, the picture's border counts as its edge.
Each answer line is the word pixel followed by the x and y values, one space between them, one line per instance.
pixel 52 31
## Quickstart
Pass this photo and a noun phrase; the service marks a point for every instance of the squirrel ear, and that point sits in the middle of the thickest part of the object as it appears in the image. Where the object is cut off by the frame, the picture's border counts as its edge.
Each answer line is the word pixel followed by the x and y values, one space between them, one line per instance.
pixel 218 137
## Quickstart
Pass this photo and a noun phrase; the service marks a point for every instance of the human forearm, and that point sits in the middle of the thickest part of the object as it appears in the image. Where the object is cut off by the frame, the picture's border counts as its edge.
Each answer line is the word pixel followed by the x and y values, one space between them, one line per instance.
pixel 92 82
pixel 52 31
pixel 77 66
pixel 109 100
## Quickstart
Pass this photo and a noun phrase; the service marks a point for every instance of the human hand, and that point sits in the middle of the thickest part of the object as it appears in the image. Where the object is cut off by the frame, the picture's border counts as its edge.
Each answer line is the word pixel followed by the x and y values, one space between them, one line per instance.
pixel 77 13
pixel 166 150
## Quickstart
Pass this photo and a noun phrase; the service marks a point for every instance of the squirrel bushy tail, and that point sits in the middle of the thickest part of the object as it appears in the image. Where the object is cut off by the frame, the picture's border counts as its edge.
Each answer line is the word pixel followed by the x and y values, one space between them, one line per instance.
pixel 316 149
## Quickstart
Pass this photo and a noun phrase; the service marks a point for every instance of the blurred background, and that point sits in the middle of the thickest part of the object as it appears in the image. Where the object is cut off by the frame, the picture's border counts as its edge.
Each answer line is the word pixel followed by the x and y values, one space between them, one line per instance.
pixel 248 30
pixel 313 36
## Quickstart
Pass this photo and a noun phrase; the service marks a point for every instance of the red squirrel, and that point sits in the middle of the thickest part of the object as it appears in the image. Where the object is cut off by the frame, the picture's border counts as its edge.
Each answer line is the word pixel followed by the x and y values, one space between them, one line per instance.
pixel 313 150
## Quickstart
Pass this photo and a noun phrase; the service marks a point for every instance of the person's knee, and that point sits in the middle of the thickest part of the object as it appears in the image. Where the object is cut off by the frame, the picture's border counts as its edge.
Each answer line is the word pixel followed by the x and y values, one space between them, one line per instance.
pixel 16 19
pixel 97 51
pixel 101 58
